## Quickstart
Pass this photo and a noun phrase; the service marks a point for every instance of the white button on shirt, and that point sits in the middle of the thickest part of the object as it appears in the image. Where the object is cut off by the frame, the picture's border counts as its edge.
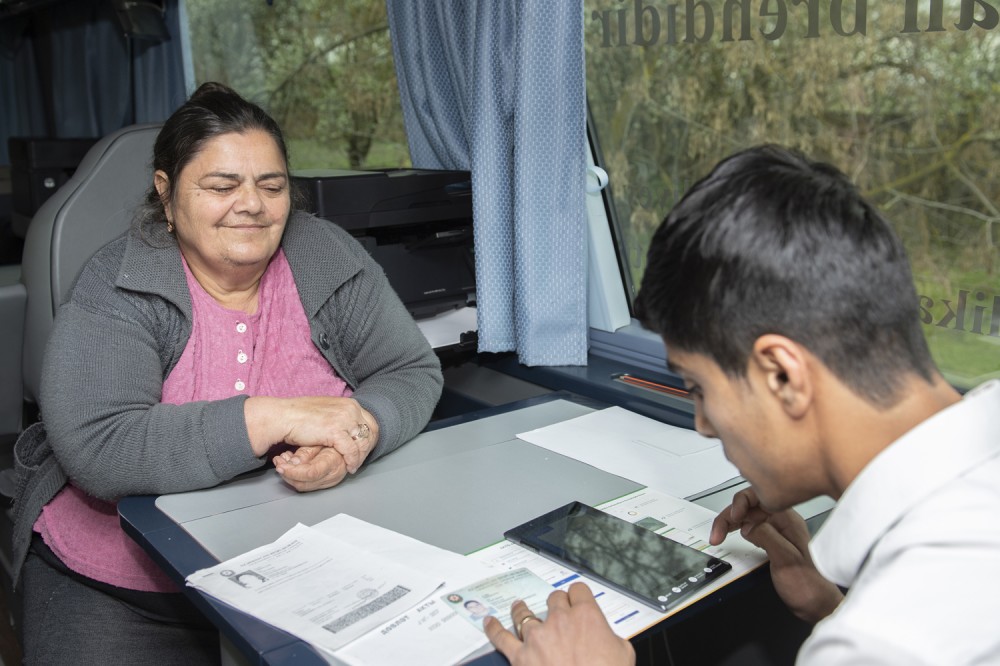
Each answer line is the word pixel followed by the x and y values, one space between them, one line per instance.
pixel 241 356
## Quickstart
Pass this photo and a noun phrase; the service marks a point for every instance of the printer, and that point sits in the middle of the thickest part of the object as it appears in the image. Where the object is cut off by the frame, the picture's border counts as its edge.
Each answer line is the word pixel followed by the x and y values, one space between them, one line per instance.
pixel 416 223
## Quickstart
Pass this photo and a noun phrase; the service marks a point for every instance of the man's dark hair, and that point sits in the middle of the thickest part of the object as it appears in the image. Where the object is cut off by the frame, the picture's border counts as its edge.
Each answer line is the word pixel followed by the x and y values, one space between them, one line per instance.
pixel 773 242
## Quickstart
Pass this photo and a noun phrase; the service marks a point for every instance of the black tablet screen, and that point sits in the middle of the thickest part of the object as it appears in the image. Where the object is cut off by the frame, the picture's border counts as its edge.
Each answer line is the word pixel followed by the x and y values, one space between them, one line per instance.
pixel 630 558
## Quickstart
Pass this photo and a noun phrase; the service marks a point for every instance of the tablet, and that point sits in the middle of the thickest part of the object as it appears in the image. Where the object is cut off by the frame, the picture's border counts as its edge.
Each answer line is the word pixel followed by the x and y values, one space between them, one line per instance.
pixel 638 562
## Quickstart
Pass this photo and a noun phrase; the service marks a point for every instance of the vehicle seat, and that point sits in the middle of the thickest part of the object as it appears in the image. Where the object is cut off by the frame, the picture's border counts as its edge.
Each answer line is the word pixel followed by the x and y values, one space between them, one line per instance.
pixel 93 207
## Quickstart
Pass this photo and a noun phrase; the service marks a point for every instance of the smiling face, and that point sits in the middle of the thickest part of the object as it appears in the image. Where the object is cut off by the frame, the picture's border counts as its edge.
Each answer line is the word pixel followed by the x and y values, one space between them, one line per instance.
pixel 229 206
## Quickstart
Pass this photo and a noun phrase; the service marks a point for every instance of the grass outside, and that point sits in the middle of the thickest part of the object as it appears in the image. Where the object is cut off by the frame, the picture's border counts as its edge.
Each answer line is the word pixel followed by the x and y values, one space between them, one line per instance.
pixel 312 154
pixel 964 350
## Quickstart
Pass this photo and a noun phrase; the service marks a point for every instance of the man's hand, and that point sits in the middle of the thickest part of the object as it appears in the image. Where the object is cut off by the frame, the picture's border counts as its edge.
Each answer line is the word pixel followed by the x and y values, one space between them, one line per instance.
pixel 785 537
pixel 575 632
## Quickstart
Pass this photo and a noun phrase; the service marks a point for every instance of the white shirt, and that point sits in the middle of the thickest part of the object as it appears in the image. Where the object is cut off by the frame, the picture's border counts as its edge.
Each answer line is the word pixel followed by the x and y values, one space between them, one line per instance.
pixel 916 539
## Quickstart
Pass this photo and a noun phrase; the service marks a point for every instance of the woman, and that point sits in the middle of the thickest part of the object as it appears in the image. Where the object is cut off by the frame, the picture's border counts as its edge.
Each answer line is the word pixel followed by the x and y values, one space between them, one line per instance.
pixel 221 327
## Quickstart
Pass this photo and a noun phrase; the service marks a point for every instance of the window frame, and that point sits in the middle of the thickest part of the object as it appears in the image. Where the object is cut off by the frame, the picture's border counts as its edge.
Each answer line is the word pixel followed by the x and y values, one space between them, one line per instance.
pixel 614 332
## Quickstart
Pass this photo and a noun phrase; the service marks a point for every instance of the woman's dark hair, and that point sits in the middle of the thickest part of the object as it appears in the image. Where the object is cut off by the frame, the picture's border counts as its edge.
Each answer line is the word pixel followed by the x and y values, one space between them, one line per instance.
pixel 213 110
pixel 772 242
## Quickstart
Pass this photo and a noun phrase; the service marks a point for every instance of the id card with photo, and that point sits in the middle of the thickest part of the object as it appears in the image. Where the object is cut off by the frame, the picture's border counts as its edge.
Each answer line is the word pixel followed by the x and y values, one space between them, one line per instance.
pixel 494 595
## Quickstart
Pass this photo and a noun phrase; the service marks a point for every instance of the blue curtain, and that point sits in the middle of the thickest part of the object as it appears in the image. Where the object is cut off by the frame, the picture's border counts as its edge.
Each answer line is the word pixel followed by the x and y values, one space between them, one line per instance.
pixel 22 111
pixel 69 71
pixel 497 87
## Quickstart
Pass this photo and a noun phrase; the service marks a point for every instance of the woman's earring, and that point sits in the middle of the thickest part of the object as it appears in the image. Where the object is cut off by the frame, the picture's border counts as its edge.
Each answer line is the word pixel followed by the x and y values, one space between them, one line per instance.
pixel 170 227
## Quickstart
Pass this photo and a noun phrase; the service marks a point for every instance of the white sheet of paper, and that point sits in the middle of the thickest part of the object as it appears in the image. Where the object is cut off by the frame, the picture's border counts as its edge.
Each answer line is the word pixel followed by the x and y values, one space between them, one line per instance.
pixel 675 461
pixel 430 633
pixel 681 520
pixel 324 590
pixel 446 328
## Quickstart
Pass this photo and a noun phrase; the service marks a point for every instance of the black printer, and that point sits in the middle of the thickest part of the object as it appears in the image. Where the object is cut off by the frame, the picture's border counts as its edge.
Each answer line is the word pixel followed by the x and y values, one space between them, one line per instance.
pixel 416 223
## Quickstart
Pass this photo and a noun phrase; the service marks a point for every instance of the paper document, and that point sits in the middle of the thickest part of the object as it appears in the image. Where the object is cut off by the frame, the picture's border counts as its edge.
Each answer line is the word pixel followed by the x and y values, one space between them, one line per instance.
pixel 447 328
pixel 494 596
pixel 678 519
pixel 429 633
pixel 673 460
pixel 626 616
pixel 317 587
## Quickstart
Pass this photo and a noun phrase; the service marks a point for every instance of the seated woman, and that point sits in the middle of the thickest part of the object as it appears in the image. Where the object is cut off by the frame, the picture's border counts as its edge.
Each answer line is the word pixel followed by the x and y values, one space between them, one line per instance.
pixel 222 327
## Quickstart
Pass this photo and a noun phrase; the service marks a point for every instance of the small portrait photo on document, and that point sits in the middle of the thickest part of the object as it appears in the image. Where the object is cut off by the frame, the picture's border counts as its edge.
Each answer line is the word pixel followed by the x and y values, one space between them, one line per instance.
pixel 477 610
pixel 248 579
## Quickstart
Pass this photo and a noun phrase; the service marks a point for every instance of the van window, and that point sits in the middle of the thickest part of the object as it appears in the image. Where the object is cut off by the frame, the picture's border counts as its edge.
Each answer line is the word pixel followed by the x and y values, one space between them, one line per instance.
pixel 899 94
pixel 324 70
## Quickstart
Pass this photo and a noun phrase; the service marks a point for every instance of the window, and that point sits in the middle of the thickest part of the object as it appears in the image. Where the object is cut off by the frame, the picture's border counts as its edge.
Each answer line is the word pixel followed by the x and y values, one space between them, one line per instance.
pixel 323 70
pixel 900 94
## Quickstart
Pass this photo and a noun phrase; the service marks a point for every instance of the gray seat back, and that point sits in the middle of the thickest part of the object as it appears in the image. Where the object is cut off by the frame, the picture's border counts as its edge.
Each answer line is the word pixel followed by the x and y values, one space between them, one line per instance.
pixel 91 209
pixel 12 302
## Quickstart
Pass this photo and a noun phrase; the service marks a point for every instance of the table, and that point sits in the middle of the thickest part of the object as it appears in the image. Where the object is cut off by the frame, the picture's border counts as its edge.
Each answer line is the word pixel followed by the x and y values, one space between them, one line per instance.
pixel 458 485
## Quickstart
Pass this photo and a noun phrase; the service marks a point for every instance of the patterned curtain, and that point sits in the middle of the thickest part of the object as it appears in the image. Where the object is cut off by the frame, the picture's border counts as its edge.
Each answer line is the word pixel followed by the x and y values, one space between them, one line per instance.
pixel 68 70
pixel 497 87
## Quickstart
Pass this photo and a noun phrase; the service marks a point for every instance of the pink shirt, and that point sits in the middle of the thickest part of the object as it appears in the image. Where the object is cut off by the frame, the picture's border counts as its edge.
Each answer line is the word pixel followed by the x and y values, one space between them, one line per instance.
pixel 229 353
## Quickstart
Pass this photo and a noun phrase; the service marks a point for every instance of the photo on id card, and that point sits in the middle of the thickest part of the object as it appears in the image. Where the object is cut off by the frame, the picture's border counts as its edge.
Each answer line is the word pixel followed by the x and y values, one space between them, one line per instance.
pixel 493 596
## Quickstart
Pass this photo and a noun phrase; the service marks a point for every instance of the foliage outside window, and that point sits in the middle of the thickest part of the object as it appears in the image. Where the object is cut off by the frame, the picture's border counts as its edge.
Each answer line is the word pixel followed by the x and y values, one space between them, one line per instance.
pixel 900 94
pixel 324 70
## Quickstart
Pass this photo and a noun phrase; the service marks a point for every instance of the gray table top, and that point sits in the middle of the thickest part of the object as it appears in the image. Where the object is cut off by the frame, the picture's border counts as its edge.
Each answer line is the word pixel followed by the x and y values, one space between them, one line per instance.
pixel 458 488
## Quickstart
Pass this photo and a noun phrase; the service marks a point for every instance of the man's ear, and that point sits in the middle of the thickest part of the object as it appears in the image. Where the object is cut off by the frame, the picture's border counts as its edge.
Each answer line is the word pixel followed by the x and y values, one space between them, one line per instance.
pixel 785 367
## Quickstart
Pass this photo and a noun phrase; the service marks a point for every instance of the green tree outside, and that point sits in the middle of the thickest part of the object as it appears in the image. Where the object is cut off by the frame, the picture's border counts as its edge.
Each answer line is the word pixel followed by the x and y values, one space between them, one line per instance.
pixel 324 70
pixel 907 112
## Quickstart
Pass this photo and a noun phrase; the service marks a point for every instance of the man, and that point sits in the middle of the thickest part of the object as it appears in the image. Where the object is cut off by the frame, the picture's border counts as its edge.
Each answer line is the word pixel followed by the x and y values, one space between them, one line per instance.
pixel 787 306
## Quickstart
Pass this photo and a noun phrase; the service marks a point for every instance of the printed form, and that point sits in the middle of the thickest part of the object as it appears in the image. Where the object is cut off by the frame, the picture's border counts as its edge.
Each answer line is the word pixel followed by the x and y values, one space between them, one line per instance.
pixel 324 590
pixel 339 586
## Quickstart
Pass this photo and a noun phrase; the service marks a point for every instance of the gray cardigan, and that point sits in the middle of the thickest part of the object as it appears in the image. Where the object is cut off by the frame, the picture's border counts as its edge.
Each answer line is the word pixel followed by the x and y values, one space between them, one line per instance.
pixel 125 326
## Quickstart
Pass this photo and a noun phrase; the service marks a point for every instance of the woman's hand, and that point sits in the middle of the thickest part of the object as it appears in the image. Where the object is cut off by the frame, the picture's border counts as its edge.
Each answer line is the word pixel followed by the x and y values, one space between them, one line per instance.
pixel 574 632
pixel 785 537
pixel 312 421
pixel 311 468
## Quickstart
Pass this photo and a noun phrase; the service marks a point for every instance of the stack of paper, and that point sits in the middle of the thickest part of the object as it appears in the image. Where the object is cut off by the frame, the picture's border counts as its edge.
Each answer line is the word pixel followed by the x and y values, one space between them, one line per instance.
pixel 341 585
pixel 349 596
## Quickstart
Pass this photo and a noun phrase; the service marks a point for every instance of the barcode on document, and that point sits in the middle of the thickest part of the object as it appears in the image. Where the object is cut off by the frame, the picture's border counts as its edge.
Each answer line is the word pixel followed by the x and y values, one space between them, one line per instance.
pixel 360 613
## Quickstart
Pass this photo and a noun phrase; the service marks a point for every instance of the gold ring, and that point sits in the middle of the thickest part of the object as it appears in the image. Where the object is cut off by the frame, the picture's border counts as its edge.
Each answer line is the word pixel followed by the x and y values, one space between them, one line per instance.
pixel 521 624
pixel 363 431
